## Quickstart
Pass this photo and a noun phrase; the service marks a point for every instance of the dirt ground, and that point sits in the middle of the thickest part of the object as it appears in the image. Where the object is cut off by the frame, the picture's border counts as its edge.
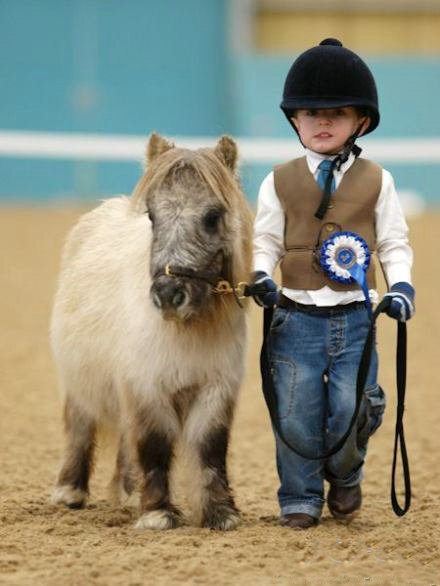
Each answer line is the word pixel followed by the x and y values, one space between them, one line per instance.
pixel 43 544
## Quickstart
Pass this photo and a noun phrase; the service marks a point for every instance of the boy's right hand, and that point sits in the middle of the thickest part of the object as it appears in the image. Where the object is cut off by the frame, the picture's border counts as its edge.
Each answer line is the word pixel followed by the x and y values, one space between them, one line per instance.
pixel 264 290
pixel 401 305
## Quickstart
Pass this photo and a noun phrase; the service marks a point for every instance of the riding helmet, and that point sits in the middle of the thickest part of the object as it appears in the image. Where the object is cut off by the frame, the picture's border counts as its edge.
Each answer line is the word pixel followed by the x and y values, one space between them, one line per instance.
pixel 330 76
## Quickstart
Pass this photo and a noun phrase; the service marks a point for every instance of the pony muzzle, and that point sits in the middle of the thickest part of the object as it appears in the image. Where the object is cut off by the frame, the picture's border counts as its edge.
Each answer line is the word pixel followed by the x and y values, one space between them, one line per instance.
pixel 169 294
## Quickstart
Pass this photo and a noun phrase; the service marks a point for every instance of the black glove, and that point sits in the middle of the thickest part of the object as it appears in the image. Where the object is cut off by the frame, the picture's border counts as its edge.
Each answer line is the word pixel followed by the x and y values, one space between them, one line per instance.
pixel 402 301
pixel 264 290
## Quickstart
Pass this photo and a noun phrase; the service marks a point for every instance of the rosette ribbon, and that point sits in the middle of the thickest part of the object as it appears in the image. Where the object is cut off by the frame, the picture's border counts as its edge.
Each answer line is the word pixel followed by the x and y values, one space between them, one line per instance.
pixel 345 258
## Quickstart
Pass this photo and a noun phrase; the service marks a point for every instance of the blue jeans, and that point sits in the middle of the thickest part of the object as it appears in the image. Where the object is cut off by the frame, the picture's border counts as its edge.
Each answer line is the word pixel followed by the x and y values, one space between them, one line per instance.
pixel 314 362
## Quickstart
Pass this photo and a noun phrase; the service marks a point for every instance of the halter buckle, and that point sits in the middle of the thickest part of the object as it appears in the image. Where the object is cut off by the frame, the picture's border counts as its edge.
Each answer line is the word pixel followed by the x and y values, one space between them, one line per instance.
pixel 241 289
pixel 223 287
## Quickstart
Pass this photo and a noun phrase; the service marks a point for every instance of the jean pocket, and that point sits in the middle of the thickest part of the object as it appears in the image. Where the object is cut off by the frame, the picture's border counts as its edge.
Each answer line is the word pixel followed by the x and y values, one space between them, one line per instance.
pixel 283 377
pixel 279 318
pixel 374 401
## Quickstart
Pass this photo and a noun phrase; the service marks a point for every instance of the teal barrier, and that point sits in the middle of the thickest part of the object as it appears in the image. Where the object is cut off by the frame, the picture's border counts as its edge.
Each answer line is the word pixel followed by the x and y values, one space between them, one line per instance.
pixel 98 66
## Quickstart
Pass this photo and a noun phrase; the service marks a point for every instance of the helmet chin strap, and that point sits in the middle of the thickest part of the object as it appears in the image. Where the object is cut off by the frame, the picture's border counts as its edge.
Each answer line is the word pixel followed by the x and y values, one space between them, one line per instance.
pixel 350 147
pixel 338 161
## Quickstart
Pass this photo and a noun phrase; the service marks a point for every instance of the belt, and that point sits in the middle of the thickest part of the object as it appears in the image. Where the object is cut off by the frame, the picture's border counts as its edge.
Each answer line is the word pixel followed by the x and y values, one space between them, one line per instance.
pixel 287 303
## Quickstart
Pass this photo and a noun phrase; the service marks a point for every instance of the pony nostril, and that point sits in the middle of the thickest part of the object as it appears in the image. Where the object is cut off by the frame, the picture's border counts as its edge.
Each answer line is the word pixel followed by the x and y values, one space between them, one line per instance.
pixel 178 299
pixel 156 300
pixel 168 295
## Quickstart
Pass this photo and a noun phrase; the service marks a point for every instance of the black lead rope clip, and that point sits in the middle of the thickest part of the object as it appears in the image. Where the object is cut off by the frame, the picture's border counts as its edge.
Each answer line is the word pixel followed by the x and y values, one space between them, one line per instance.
pixel 399 440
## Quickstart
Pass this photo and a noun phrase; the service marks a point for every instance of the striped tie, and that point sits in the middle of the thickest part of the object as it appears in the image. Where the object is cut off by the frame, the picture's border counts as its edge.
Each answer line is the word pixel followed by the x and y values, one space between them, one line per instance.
pixel 324 171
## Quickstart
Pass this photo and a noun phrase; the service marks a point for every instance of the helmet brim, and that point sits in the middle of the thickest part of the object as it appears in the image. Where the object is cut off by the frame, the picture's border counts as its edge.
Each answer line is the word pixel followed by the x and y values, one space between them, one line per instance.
pixel 288 106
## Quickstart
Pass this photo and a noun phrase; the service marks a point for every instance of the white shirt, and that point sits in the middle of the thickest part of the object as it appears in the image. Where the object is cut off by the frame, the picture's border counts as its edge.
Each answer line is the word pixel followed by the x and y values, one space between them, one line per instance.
pixel 393 251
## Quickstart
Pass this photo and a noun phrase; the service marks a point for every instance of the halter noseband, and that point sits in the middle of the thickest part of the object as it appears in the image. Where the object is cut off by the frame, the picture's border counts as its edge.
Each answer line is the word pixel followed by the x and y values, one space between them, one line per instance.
pixel 220 285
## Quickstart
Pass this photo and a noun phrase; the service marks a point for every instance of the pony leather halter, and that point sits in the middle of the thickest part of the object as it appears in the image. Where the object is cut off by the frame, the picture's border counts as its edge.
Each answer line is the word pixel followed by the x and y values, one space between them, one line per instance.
pixel 221 284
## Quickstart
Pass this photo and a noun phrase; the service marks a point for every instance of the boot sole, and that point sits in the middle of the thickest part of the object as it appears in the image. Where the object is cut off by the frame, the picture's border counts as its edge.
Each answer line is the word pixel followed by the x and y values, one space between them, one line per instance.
pixel 345 517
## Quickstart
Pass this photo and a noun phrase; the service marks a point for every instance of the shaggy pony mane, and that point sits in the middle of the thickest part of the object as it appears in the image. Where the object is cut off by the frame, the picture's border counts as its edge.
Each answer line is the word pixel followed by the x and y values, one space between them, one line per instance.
pixel 203 164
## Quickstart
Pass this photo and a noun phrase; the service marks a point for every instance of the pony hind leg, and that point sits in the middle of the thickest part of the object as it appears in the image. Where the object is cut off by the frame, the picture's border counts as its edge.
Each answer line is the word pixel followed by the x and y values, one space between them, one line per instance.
pixel 123 483
pixel 154 442
pixel 207 438
pixel 72 485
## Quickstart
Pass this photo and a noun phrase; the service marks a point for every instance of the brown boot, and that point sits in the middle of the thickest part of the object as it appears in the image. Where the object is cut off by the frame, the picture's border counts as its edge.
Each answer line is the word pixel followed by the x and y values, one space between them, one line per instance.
pixel 343 501
pixel 298 521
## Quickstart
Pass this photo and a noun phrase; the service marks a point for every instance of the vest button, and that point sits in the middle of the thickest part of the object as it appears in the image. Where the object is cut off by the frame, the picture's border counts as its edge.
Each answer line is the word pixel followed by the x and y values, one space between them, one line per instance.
pixel 330 227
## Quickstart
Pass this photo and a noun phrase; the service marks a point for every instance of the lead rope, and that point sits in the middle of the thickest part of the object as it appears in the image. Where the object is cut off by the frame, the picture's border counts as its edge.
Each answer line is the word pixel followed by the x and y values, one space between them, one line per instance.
pixel 364 365
pixel 399 437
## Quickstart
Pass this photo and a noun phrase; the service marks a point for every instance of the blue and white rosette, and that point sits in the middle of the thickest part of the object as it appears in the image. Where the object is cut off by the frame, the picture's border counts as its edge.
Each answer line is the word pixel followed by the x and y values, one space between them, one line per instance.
pixel 345 258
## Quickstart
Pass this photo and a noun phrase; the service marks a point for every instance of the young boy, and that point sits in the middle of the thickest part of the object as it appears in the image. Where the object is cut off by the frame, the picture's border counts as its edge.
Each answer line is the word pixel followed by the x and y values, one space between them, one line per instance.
pixel 320 326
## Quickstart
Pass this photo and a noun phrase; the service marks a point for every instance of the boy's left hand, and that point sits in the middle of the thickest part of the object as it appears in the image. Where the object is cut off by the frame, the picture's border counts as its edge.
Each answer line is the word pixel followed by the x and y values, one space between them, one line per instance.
pixel 263 289
pixel 402 301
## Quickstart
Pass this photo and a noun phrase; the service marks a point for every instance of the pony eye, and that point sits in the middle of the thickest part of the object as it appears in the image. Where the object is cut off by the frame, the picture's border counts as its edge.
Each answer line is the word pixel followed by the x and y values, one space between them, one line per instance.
pixel 151 216
pixel 211 220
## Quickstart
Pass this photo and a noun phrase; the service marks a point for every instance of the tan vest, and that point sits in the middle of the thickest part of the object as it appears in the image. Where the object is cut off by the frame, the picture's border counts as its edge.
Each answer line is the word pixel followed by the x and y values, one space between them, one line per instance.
pixel 351 208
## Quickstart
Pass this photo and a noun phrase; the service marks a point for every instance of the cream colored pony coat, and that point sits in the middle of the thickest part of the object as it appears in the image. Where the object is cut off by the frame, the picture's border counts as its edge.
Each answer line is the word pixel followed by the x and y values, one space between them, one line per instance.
pixel 153 380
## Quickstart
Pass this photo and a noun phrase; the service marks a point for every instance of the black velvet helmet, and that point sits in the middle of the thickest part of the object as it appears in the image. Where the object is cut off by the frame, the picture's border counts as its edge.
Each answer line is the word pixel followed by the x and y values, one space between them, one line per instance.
pixel 330 76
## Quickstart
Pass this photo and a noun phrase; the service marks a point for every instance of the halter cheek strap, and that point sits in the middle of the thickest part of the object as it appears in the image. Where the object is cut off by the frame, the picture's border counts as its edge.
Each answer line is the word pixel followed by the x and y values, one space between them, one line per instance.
pixel 221 283
pixel 187 273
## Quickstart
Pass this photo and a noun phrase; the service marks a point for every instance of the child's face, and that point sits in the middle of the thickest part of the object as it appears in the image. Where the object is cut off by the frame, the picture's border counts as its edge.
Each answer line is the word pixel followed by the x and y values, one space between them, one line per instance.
pixel 326 130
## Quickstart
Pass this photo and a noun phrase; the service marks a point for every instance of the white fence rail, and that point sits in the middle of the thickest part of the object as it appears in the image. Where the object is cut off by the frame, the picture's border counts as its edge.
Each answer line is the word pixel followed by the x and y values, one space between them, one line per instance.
pixel 111 147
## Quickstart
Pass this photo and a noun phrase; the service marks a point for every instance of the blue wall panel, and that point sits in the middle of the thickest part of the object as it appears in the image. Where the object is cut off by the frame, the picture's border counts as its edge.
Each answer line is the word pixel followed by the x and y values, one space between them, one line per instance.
pixel 111 66
pixel 43 180
pixel 140 65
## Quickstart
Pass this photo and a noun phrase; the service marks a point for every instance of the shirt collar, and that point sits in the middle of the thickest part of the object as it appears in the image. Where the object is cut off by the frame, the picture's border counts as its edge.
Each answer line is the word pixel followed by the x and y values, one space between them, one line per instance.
pixel 314 159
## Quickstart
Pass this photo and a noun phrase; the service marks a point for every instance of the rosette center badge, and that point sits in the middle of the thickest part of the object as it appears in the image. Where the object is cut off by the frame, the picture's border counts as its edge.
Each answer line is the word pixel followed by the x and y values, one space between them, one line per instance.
pixel 345 257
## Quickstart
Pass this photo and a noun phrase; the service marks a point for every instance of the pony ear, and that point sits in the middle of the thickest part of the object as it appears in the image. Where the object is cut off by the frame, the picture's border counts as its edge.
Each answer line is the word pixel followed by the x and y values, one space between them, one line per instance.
pixel 226 151
pixel 157 145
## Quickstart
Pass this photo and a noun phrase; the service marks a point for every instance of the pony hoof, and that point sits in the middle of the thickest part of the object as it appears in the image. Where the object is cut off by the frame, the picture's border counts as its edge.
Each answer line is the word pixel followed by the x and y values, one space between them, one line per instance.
pixel 74 498
pixel 159 519
pixel 223 520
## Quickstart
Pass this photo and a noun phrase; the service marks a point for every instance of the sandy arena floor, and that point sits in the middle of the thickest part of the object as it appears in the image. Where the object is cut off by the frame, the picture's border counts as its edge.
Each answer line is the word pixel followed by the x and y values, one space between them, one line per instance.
pixel 45 545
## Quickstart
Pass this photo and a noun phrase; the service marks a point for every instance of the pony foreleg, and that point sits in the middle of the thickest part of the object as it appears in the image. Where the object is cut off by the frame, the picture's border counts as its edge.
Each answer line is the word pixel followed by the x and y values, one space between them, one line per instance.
pixel 154 443
pixel 73 480
pixel 207 438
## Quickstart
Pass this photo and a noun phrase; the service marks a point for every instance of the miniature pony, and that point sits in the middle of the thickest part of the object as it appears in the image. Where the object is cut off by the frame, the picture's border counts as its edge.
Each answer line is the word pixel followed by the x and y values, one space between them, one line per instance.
pixel 144 339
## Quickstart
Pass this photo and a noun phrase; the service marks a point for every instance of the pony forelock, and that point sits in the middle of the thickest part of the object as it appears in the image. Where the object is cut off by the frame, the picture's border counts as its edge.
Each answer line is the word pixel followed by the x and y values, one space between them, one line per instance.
pixel 203 163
